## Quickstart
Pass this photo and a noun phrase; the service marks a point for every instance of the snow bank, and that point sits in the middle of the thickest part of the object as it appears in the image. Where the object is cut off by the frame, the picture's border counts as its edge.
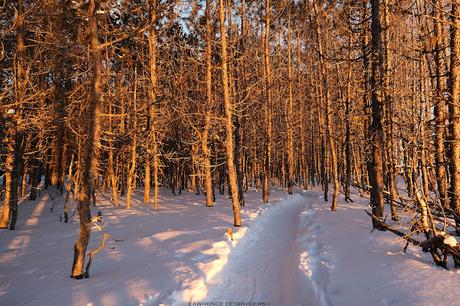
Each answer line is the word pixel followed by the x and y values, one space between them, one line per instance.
pixel 367 267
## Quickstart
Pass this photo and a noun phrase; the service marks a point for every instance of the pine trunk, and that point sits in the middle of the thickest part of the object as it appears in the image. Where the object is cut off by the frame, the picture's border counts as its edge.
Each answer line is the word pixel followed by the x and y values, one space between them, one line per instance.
pixel 268 105
pixel 229 109
pixel 376 128
pixel 454 111
pixel 91 144
pixel 440 108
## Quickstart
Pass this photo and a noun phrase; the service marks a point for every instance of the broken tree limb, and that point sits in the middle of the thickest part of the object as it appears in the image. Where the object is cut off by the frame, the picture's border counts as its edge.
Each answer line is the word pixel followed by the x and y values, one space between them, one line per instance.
pixel 93 253
pixel 387 227
pixel 440 246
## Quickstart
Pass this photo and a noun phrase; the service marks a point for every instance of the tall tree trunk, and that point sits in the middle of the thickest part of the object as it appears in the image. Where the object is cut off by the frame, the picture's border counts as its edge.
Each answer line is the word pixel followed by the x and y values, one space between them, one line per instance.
pixel 440 108
pixel 58 169
pixel 376 128
pixel 328 121
pixel 304 173
pixel 242 68
pixel 16 140
pixel 131 181
pixel 348 159
pixel 389 108
pixel 152 107
pixel 112 168
pixel 229 109
pixel 424 100
pixel 323 160
pixel 268 104
pixel 207 124
pixel 290 111
pixel 91 147
pixel 235 82
pixel 454 111
pixel 112 172
pixel 366 80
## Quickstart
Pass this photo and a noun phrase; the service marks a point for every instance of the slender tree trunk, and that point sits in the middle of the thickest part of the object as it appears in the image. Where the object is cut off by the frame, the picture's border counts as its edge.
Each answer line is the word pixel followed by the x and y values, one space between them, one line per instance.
pixel 23 175
pixel 90 152
pixel 304 173
pixel 440 108
pixel 328 121
pixel 34 176
pixel 454 111
pixel 112 171
pixel 366 101
pixel 193 168
pixel 235 83
pixel 290 112
pixel 376 128
pixel 131 181
pixel 207 124
pixel 111 165
pixel 323 159
pixel 424 100
pixel 57 175
pixel 389 114
pixel 268 104
pixel 68 188
pixel 147 179
pixel 348 159
pixel 242 68
pixel 229 109
pixel 16 140
pixel 152 107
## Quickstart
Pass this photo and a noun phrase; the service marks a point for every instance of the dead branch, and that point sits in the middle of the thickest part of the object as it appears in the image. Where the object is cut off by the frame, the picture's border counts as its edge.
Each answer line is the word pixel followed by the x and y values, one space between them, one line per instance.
pixel 440 246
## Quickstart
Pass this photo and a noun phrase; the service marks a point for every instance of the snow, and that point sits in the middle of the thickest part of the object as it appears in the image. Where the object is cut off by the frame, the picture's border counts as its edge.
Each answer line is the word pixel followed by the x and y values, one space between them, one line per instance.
pixel 261 267
pixel 292 251
pixel 369 268
pixel 450 241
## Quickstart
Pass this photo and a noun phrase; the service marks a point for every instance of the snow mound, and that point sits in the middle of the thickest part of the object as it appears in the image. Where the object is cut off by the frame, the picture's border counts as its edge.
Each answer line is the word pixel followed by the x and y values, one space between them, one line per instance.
pixel 450 241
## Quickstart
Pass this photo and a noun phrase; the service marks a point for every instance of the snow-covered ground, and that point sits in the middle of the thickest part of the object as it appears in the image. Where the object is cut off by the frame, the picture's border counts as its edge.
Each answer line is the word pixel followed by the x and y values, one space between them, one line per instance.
pixel 293 251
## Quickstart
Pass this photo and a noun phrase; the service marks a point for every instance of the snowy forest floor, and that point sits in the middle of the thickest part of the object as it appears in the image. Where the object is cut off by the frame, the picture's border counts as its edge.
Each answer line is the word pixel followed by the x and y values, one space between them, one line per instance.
pixel 292 251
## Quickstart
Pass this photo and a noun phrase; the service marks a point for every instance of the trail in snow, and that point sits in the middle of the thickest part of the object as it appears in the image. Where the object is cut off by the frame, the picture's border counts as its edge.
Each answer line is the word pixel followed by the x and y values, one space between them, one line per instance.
pixel 270 263
pixel 314 261
pixel 295 252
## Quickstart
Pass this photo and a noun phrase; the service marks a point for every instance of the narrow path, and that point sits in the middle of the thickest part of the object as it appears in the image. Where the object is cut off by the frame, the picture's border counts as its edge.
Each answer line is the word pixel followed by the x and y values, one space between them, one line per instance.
pixel 266 265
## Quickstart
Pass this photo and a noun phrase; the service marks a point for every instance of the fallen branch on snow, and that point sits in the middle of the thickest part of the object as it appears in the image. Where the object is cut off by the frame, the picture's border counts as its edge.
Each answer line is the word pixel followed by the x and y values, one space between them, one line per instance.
pixel 441 246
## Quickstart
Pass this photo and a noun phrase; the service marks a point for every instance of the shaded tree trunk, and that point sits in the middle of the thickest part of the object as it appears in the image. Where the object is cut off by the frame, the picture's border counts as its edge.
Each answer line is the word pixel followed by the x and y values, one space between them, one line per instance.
pixel 15 143
pixel 376 128
pixel 90 152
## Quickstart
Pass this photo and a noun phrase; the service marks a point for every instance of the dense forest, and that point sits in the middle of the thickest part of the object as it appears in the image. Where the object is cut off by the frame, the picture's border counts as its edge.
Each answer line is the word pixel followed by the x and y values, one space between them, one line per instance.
pixel 217 97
